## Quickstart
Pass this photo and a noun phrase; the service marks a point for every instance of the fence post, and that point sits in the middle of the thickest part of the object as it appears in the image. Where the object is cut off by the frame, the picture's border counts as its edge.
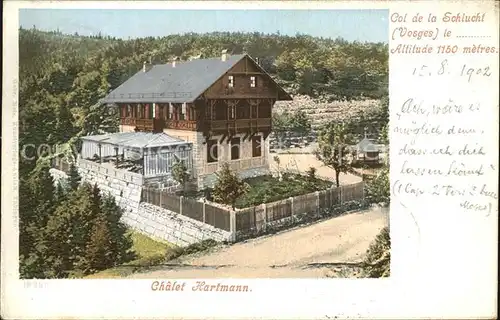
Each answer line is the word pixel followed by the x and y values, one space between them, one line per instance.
pixel 232 225
pixel 291 205
pixel 180 204
pixel 362 190
pixel 264 227
pixel 161 196
pixel 341 194
pixel 204 213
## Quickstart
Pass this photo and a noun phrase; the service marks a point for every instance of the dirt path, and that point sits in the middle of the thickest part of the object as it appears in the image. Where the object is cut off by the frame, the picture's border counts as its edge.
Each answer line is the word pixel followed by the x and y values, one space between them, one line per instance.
pixel 302 252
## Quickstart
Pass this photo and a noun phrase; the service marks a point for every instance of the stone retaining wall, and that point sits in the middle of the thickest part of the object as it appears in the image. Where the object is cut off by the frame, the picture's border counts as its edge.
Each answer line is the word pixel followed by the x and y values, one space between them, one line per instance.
pixel 148 219
pixel 172 227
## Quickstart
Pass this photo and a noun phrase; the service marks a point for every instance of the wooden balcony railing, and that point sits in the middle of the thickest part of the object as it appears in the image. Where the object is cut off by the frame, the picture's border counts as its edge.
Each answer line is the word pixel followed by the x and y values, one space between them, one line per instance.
pixel 157 125
pixel 239 125
pixel 144 124
pixel 182 124
pixel 127 121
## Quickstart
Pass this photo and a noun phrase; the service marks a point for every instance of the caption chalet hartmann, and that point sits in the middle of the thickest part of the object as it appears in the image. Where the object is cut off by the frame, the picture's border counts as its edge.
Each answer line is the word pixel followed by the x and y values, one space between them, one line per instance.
pixel 199 286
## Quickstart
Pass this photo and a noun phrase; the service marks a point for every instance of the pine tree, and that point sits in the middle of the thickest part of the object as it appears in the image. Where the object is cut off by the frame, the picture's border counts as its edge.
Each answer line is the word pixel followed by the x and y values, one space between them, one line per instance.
pixel 37 204
pixel 65 127
pixel 60 194
pixel 42 190
pixel 30 260
pixel 74 178
pixel 96 199
pixel 120 241
pixel 229 186
pixel 98 254
pixel 69 231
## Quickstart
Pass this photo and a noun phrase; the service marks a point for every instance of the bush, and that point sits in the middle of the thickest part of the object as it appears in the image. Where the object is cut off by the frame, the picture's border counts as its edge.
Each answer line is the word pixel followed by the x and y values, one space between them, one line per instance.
pixel 377 188
pixel 265 189
pixel 201 246
pixel 377 262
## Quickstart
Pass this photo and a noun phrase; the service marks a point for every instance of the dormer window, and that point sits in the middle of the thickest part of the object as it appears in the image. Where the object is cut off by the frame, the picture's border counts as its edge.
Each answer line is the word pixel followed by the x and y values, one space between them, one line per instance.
pixel 253 82
pixel 230 81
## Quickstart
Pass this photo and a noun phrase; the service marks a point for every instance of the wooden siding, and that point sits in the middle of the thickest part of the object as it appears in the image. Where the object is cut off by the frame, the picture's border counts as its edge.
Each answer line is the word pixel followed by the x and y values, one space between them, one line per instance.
pixel 242 71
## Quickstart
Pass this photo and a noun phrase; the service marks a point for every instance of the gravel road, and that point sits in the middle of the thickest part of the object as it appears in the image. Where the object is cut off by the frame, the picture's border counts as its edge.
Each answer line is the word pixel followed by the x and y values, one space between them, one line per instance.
pixel 303 252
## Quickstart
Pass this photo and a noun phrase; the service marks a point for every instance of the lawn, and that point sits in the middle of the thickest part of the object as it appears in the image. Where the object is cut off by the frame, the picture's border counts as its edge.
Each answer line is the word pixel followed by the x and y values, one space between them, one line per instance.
pixel 148 252
pixel 265 189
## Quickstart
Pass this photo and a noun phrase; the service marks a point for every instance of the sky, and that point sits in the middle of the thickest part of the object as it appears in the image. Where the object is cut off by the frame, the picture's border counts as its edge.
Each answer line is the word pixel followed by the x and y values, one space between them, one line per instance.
pixel 359 25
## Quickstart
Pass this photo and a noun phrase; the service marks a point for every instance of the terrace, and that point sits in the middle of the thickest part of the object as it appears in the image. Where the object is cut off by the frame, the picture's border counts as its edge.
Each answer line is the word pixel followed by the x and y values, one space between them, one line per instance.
pixel 150 155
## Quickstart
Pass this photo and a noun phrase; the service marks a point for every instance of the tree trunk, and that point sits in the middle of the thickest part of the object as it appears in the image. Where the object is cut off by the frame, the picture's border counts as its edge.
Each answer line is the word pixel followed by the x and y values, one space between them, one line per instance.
pixel 337 174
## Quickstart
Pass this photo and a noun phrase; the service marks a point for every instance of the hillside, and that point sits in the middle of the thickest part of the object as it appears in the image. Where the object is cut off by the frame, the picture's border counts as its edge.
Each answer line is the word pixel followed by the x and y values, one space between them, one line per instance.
pixel 321 112
pixel 63 76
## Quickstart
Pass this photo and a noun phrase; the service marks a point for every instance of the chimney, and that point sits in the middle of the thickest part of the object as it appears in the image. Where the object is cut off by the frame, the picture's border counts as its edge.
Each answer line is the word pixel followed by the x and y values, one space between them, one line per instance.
pixel 174 61
pixel 224 55
pixel 146 66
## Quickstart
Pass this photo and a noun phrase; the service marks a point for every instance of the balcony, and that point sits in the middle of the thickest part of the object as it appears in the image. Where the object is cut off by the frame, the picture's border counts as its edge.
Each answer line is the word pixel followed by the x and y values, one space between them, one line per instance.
pixel 157 125
pixel 239 125
pixel 182 124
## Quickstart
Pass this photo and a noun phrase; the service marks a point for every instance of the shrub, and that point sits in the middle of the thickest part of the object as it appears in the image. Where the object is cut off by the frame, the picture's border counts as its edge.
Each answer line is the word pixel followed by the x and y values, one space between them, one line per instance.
pixel 192 248
pixel 265 189
pixel 377 188
pixel 377 262
pixel 180 173
pixel 229 186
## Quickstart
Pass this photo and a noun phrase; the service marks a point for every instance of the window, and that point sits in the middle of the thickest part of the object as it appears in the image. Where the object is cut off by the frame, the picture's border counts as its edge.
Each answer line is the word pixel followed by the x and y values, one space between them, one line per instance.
pixel 256 146
pixel 208 112
pixel 191 114
pixel 129 111
pixel 139 111
pixel 212 151
pixel 253 82
pixel 164 112
pixel 230 83
pixel 254 111
pixel 183 112
pixel 170 111
pixel 148 112
pixel 235 148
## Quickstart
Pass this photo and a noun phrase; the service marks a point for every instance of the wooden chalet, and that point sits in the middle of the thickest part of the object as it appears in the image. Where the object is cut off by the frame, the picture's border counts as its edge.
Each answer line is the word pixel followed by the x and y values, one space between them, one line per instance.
pixel 220 96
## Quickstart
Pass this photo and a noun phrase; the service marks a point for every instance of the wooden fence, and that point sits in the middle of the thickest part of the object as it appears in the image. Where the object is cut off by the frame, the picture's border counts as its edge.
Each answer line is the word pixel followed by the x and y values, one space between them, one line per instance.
pixel 200 211
pixel 254 218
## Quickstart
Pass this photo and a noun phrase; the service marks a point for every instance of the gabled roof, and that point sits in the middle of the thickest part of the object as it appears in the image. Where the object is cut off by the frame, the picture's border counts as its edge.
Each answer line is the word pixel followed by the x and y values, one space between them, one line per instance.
pixel 164 83
pixel 367 145
pixel 137 140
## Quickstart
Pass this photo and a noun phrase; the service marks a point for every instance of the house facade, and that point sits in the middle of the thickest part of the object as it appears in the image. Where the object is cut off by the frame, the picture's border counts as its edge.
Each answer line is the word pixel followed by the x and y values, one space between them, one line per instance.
pixel 222 106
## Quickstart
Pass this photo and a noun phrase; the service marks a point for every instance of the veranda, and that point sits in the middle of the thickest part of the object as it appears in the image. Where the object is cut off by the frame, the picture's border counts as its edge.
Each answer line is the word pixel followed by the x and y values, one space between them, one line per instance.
pixel 149 154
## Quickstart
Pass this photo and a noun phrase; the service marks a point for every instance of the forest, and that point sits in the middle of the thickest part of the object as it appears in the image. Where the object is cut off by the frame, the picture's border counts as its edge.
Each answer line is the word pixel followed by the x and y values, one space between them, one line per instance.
pixel 62 77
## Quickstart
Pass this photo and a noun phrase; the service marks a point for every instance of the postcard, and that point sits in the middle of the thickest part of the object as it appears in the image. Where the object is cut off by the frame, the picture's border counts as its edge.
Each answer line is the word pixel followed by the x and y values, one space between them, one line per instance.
pixel 231 160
